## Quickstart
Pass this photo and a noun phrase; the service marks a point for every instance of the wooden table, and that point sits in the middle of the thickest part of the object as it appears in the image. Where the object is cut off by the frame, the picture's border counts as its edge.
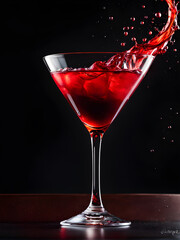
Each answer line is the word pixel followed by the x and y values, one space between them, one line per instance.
pixel 37 216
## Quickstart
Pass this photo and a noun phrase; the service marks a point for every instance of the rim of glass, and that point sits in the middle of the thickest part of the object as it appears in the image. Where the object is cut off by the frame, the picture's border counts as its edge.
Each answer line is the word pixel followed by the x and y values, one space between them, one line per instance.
pixel 81 53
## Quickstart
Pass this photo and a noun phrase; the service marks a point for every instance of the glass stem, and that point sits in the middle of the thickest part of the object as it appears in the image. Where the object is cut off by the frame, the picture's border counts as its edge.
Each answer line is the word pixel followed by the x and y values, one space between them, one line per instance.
pixel 96 201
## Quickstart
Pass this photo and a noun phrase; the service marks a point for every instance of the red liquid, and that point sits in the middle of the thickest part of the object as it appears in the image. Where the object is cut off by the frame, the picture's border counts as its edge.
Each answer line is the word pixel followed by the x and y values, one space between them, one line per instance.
pixel 98 93
pixel 97 96
pixel 157 44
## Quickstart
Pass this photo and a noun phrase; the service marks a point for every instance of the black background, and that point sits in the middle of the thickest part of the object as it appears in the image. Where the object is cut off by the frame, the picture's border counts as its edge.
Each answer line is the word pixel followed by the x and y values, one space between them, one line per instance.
pixel 44 146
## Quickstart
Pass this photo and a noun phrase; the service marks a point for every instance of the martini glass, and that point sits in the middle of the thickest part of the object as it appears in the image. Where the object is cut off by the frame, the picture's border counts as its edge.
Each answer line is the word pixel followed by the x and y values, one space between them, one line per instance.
pixel 97 86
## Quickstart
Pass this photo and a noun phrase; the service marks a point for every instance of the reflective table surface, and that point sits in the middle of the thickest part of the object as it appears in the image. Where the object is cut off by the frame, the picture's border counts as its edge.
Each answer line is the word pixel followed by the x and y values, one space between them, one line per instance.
pixel 138 230
pixel 37 216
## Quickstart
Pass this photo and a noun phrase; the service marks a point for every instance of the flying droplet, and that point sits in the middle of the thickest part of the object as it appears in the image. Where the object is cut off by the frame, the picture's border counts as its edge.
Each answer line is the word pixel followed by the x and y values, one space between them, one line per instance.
pixel 131 27
pixel 143 6
pixel 163 138
pixel 133 39
pixel 152 150
pixel 175 50
pixel 158 15
pixel 146 17
pixel 125 33
pixel 150 33
pixel 169 127
pixel 144 39
pixel 133 19
pixel 104 8
pixel 172 140
pixel 111 18
pixel 142 23
pixel 123 44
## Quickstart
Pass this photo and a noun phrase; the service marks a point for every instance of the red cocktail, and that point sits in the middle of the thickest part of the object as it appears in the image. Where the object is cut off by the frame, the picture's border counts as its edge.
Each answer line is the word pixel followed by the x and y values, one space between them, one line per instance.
pixel 97 96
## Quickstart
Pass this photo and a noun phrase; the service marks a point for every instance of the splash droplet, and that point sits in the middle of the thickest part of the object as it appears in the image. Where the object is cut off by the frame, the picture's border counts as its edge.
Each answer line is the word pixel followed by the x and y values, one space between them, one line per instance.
pixel 175 50
pixel 125 33
pixel 158 15
pixel 144 39
pixel 123 44
pixel 133 19
pixel 152 150
pixel 146 17
pixel 111 18
pixel 150 33
pixel 169 127
pixel 142 23
pixel 143 6
pixel 131 27
pixel 133 39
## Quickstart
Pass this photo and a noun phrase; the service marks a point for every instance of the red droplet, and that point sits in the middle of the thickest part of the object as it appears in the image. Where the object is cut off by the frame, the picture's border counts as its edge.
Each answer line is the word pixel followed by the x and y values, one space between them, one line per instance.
pixel 124 28
pixel 158 15
pixel 175 50
pixel 143 6
pixel 125 33
pixel 150 33
pixel 131 27
pixel 146 17
pixel 111 18
pixel 127 28
pixel 123 44
pixel 141 22
pixel 133 39
pixel 133 19
pixel 144 39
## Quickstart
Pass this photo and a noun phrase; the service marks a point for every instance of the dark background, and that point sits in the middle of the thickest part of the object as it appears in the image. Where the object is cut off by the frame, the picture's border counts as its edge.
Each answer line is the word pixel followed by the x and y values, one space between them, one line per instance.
pixel 44 146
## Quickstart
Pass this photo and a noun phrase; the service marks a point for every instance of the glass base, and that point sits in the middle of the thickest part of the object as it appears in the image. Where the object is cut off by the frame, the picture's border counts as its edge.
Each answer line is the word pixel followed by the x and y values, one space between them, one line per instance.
pixel 88 218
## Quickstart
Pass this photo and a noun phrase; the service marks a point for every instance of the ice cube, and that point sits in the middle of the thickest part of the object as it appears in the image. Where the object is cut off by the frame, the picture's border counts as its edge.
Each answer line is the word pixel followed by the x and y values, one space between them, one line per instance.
pixel 73 82
pixel 88 75
pixel 121 83
pixel 98 87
